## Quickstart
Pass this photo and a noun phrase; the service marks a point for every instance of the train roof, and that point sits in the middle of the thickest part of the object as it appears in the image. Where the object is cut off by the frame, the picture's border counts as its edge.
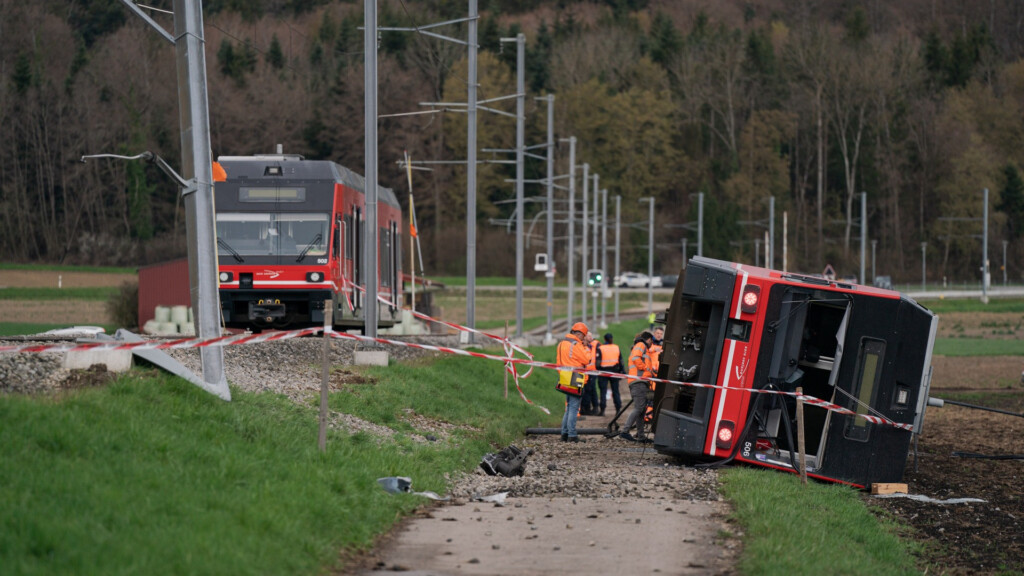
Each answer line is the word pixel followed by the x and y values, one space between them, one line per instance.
pixel 296 167
pixel 777 275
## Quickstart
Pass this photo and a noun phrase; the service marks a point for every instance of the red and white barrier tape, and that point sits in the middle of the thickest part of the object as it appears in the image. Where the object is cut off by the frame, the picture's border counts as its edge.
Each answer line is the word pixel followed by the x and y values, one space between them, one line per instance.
pixel 238 339
pixel 510 347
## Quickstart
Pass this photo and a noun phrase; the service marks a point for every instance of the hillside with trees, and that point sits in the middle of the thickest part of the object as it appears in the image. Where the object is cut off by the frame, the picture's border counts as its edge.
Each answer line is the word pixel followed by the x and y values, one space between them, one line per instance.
pixel 919 104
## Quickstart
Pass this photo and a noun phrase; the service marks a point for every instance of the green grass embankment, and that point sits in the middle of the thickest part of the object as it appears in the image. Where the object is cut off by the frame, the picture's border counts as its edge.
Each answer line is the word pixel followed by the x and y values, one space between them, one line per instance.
pixel 790 528
pixel 153 475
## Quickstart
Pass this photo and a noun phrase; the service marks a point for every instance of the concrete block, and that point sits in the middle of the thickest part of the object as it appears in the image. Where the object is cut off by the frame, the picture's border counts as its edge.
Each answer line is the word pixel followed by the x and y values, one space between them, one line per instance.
pixel 115 360
pixel 371 358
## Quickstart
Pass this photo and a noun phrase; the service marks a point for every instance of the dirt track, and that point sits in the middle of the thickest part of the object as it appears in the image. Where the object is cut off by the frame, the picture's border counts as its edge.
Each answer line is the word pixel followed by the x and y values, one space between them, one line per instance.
pixel 606 506
pixel 983 538
pixel 55 279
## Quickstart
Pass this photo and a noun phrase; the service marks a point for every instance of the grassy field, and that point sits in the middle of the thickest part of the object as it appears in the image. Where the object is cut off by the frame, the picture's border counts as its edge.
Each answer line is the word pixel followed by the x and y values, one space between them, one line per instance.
pixel 978 347
pixel 793 528
pixel 152 475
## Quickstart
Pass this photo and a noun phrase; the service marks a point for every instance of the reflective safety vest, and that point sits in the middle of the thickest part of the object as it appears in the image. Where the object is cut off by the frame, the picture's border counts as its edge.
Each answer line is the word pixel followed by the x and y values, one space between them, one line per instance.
pixel 593 355
pixel 639 362
pixel 567 354
pixel 609 355
pixel 655 356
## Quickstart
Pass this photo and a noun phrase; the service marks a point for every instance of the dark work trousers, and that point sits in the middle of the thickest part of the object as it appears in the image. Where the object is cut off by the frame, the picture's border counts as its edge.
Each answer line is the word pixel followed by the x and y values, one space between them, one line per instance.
pixel 603 383
pixel 638 390
pixel 589 404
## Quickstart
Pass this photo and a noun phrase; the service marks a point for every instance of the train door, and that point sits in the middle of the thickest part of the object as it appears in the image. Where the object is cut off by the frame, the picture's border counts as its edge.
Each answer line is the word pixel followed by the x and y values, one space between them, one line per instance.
pixel 357 256
pixel 807 353
pixel 396 266
pixel 384 258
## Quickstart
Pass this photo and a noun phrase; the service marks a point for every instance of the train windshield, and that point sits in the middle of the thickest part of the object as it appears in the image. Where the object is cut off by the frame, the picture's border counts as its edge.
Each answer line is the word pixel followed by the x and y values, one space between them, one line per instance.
pixel 241 234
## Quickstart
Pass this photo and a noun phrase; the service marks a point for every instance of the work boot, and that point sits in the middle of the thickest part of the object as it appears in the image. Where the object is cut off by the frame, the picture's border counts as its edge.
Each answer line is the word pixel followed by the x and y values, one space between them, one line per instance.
pixel 601 413
pixel 577 439
pixel 565 437
pixel 627 436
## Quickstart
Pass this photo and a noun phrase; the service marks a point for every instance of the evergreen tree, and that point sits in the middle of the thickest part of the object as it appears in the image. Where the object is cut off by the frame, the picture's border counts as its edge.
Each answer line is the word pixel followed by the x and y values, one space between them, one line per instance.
pixel 22 76
pixel 936 57
pixel 538 61
pixel 857 28
pixel 275 55
pixel 961 62
pixel 1012 201
pixel 489 36
pixel 666 42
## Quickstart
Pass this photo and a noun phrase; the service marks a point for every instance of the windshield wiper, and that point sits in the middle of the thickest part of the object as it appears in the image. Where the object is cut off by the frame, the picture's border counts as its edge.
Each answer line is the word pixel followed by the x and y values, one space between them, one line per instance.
pixel 223 244
pixel 309 247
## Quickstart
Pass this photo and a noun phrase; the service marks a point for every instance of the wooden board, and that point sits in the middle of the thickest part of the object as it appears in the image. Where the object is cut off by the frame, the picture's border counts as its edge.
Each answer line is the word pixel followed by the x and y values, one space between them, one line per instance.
pixel 888 488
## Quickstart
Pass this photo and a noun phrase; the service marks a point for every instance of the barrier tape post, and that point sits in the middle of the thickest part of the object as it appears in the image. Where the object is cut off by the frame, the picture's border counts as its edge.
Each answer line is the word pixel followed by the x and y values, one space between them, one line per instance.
pixel 325 374
pixel 800 435
pixel 507 366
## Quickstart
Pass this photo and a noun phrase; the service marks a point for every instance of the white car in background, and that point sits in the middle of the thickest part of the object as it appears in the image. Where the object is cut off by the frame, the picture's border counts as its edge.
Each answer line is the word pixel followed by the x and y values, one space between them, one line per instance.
pixel 635 280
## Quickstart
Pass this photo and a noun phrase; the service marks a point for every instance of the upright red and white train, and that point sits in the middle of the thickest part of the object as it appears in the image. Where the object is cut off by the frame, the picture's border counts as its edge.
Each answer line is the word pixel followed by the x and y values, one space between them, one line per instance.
pixel 290 235
pixel 750 331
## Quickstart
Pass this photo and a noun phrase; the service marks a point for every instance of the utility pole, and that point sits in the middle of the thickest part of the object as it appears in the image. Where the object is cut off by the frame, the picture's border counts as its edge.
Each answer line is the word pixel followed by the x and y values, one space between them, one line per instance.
pixel 771 233
pixel 874 274
pixel 548 337
pixel 604 256
pixel 197 174
pixel 471 171
pixel 571 253
pixel 583 259
pixel 984 250
pixel 370 307
pixel 924 248
pixel 863 233
pixel 650 253
pixel 700 224
pixel 1004 262
pixel 593 260
pixel 520 136
pixel 197 163
pixel 618 238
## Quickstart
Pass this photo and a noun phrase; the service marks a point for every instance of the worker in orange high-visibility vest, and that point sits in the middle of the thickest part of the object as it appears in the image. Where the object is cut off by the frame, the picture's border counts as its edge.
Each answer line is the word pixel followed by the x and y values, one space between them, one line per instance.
pixel 609 359
pixel 639 367
pixel 589 404
pixel 657 345
pixel 573 352
pixel 656 348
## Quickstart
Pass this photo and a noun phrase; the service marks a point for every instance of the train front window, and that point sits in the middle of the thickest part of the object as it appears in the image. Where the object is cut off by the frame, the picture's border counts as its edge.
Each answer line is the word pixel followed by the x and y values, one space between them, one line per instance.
pixel 272 234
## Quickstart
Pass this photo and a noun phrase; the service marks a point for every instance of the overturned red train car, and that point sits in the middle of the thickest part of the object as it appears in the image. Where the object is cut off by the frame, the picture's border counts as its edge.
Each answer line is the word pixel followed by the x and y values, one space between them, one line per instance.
pixel 290 235
pixel 747 330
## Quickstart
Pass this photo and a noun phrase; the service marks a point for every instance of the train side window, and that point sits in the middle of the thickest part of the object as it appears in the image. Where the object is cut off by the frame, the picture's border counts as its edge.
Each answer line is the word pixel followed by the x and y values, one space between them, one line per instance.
pixel 383 256
pixel 348 236
pixel 339 229
pixel 869 372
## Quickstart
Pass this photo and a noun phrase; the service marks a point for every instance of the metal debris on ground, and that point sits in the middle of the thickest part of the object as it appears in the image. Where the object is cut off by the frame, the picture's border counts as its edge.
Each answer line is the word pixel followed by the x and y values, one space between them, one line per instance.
pixel 923 498
pixel 403 485
pixel 509 462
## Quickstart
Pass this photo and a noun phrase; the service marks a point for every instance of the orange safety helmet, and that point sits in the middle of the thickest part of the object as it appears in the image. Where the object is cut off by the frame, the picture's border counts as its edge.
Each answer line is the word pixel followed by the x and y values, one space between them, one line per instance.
pixel 579 327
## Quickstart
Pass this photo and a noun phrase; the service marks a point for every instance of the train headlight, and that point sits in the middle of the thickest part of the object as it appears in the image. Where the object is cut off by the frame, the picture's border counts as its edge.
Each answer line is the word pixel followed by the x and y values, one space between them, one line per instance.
pixel 725 434
pixel 751 296
pixel 314 276
pixel 226 276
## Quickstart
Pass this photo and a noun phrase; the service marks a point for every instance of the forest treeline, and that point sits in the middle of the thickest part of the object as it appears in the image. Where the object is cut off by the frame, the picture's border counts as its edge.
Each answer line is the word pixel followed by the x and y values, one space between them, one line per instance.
pixel 919 104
